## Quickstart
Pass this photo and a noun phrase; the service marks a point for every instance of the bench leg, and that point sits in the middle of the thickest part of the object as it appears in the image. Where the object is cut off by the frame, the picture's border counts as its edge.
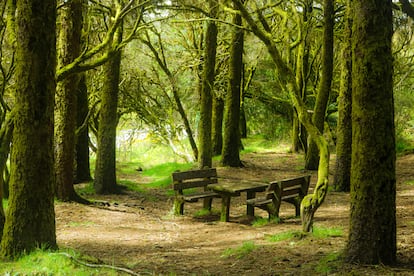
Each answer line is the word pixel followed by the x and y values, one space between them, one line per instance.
pixel 207 203
pixel 273 211
pixel 178 207
pixel 225 208
pixel 250 208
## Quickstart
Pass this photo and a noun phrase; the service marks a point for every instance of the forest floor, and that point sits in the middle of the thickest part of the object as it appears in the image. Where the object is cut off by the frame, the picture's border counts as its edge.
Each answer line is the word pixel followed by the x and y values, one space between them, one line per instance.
pixel 137 230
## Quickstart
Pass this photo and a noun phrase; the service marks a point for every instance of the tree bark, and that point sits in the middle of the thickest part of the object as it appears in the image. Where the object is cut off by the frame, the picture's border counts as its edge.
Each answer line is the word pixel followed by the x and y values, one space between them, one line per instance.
pixel 372 233
pixel 105 166
pixel 30 219
pixel 206 102
pixel 325 84
pixel 69 48
pixel 230 155
pixel 311 202
pixel 342 177
pixel 82 171
pixel 299 134
pixel 217 130
pixel 6 133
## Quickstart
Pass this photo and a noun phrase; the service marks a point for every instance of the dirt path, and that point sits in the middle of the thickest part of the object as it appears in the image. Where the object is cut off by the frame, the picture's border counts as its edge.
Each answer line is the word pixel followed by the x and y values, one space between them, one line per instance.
pixel 143 236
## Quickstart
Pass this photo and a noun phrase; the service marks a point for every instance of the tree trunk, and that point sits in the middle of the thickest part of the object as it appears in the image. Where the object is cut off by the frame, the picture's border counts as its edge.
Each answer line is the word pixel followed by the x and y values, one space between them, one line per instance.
pixel 30 219
pixel 372 233
pixel 69 47
pixel 342 177
pixel 6 133
pixel 299 134
pixel 204 130
pixel 231 137
pixel 311 202
pixel 82 171
pixel 105 166
pixel 217 130
pixel 325 84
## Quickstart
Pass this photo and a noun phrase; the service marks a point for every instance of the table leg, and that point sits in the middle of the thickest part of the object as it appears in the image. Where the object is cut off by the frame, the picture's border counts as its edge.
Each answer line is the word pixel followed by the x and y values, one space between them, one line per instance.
pixel 225 208
pixel 250 208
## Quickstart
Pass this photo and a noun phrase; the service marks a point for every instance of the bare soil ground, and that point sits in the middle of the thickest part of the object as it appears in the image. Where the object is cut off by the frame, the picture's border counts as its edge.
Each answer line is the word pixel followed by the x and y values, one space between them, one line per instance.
pixel 138 231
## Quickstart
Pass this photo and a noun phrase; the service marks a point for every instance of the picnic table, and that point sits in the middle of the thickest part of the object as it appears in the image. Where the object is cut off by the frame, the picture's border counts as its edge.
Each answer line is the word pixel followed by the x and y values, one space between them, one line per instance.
pixel 233 189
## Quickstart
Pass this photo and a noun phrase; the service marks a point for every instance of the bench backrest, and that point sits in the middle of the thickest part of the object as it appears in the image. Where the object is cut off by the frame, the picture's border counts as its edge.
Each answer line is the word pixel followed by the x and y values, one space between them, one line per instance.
pixel 194 178
pixel 295 186
pixel 291 187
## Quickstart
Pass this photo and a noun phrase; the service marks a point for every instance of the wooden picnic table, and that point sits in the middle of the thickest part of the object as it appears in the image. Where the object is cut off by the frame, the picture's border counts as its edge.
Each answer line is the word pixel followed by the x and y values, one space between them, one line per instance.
pixel 235 188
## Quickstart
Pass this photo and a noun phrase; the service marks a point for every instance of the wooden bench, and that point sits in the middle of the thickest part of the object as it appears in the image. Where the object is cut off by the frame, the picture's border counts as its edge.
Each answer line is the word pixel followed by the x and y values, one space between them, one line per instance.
pixel 291 190
pixel 195 182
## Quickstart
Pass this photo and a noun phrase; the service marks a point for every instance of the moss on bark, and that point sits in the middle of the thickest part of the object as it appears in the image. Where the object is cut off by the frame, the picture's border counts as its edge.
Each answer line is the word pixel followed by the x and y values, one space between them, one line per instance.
pixel 204 129
pixel 105 166
pixel 231 137
pixel 311 202
pixel 372 235
pixel 30 218
pixel 69 48
pixel 344 126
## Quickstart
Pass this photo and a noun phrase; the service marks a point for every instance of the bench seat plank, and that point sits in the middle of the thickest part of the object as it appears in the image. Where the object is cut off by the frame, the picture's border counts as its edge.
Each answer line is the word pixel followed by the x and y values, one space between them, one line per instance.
pixel 197 196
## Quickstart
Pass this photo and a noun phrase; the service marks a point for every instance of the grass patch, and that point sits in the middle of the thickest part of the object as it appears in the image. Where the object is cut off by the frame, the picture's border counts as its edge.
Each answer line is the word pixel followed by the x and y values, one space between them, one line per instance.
pixel 259 221
pixel 241 251
pixel 410 182
pixel 161 174
pixel 205 213
pixel 258 143
pixel 318 232
pixel 86 189
pixel 284 236
pixel 43 262
pixel 327 232
pixel 328 263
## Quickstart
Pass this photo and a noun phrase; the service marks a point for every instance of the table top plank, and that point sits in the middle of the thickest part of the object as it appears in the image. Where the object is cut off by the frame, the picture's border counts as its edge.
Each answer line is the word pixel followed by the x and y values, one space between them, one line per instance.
pixel 238 187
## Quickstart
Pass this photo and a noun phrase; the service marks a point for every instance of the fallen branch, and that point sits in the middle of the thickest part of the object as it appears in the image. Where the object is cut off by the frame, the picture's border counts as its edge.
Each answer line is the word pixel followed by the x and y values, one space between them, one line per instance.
pixel 122 269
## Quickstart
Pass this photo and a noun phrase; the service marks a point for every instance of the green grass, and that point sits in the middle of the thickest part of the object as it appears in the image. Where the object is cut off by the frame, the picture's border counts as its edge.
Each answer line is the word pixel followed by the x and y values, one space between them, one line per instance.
pixel 258 143
pixel 326 232
pixel 410 182
pixel 259 221
pixel 290 235
pixel 44 262
pixel 161 174
pixel 86 189
pixel 241 251
pixel 328 263
pixel 318 232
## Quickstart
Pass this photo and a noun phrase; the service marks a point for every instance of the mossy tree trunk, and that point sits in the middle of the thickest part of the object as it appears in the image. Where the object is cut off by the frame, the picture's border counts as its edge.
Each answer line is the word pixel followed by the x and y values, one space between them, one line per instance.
pixel 311 202
pixel 206 100
pixel 6 133
pixel 69 48
pixel 82 171
pixel 217 129
pixel 105 166
pixel 342 177
pixel 30 218
pixel 230 155
pixel 322 98
pixel 372 233
pixel 299 134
